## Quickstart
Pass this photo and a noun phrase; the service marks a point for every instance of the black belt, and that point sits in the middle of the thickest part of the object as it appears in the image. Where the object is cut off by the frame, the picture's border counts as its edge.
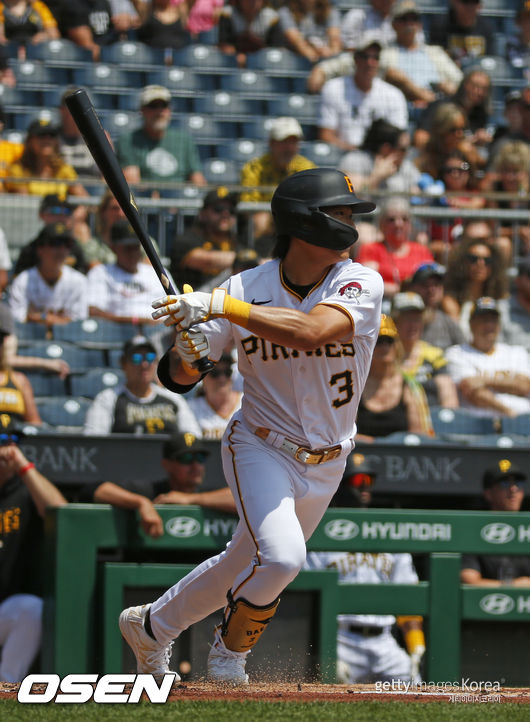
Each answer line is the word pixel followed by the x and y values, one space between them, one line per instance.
pixel 365 631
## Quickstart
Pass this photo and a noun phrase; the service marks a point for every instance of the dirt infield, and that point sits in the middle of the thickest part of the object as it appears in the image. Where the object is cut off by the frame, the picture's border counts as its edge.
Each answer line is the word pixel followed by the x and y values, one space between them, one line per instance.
pixel 189 691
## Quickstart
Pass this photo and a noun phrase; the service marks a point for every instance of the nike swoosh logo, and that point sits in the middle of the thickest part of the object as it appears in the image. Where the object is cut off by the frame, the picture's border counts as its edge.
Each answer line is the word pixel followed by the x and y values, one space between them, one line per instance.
pixel 260 303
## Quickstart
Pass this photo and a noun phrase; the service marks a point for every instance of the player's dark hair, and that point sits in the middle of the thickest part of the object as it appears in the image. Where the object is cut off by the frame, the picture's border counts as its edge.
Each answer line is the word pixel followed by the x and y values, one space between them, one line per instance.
pixel 281 247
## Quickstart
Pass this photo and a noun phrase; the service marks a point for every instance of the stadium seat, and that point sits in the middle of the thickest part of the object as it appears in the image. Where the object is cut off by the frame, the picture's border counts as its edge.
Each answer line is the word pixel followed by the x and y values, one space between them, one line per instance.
pixel 204 56
pixel 64 413
pixel 34 74
pixel 252 83
pixel 61 52
pixel 117 122
pixel 205 127
pixel 406 438
pixel 23 118
pixel 302 107
pixel 132 53
pixel 498 68
pixel 11 96
pixel 46 383
pixel 76 357
pixel 278 60
pixel 186 79
pixel 257 128
pixel 241 151
pixel 223 103
pixel 218 171
pixel 28 332
pixel 101 76
pixel 96 333
pixel 516 425
pixel 322 154
pixel 89 384
pixel 461 422
pixel 102 101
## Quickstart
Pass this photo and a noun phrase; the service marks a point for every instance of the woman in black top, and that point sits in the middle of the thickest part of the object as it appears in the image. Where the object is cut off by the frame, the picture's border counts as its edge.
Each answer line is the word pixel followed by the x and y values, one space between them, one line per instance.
pixel 165 26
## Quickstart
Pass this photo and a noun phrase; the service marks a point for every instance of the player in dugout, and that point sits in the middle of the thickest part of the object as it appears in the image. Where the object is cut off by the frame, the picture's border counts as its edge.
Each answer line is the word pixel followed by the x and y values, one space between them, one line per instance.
pixel 304 325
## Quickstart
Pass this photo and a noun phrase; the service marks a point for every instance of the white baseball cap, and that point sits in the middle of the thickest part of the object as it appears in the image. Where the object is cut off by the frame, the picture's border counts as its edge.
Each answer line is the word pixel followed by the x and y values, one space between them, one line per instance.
pixel 282 128
pixel 154 92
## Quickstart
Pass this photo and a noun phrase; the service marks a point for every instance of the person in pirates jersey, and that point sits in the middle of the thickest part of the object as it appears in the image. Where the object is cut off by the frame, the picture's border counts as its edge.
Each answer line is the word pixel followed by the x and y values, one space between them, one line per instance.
pixel 218 400
pixel 140 406
pixel 16 394
pixel 367 651
pixel 304 325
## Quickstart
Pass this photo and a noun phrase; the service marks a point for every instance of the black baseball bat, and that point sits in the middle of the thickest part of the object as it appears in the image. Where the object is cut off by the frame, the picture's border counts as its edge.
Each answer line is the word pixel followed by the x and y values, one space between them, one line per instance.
pixel 89 124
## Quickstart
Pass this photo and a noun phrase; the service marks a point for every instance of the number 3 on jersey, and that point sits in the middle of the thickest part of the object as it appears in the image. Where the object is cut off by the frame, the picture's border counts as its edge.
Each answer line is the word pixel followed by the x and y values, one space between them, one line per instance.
pixel 345 388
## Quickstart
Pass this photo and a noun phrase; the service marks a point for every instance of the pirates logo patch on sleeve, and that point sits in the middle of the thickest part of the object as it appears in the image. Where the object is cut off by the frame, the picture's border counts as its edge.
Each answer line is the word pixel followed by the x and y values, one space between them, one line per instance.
pixel 353 290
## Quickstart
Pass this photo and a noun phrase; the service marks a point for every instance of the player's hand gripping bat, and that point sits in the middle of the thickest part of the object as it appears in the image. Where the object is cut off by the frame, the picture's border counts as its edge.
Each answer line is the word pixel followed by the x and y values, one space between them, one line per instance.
pixel 86 119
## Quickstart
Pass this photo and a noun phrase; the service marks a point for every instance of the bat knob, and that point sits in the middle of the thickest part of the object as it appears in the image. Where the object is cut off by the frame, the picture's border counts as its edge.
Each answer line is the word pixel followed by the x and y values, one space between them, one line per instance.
pixel 203 365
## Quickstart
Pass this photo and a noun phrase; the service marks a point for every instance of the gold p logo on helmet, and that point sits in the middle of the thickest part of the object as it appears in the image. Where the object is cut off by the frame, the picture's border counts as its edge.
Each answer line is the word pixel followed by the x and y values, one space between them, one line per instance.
pixel 505 465
pixel 349 183
pixel 189 439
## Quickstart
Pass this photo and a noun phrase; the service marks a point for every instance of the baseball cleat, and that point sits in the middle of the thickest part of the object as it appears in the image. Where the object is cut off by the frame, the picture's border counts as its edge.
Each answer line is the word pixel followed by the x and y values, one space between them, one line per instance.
pixel 151 656
pixel 225 666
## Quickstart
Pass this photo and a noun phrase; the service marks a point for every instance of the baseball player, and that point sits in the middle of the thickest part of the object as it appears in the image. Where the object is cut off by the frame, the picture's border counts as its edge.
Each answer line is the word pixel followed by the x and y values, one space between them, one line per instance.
pixel 304 325
pixel 366 649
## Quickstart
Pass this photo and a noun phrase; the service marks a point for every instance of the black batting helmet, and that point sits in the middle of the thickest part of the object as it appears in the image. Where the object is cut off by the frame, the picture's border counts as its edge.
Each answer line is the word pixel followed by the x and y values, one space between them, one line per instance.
pixel 298 202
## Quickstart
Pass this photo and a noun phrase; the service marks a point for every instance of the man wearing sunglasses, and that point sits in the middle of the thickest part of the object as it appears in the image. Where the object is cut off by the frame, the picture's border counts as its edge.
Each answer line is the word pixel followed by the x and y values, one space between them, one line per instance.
pixel 503 489
pixel 139 406
pixel 367 651
pixel 214 406
pixel 24 496
pixel 183 461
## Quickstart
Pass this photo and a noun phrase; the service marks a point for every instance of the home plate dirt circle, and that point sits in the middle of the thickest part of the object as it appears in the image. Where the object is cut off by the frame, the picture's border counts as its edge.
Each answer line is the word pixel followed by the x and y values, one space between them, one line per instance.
pixel 302 692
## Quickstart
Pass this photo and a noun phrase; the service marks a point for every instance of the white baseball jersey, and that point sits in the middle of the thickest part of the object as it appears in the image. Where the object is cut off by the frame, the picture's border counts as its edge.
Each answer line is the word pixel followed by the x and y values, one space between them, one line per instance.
pixel 310 397
pixel 366 568
pixel 112 289
pixel 465 361
pixel 212 425
pixel 5 260
pixel 350 111
pixel 68 294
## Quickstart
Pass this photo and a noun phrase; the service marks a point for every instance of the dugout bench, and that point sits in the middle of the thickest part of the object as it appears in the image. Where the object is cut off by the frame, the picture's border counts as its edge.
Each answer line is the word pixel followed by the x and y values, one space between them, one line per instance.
pixel 84 592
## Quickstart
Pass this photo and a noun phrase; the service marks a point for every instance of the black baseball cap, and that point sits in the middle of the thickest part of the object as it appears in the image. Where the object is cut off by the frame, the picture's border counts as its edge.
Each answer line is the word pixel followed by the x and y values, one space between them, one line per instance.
pixel 181 443
pixel 42 126
pixel 10 430
pixel 122 234
pixel 483 305
pixel 53 203
pixel 137 342
pixel 504 470
pixel 426 271
pixel 219 195
pixel 52 232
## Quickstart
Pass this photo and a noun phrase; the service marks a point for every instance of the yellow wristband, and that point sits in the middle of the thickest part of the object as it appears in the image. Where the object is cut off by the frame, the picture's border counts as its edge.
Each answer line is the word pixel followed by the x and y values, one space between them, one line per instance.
pixel 414 638
pixel 237 311
pixel 189 370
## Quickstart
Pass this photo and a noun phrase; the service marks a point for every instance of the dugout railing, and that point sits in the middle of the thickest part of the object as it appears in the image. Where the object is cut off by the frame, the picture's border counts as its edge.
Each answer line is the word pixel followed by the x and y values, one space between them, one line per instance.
pixel 84 590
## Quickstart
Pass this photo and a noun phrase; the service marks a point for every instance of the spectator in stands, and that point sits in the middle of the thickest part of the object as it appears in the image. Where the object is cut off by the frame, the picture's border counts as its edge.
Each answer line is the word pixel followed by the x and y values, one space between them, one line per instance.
pixel 511 174
pixel 446 135
pixel 53 209
pixel 482 230
pixel 209 246
pixel 203 15
pixel 72 145
pixel 121 291
pixel 24 496
pixel 382 162
pixel 518 44
pixel 245 258
pixel 107 213
pixel 421 361
pixel 417 69
pixel 16 394
pixel 281 160
pixel 463 32
pixel 475 269
pixel 125 17
pixel 396 257
pixel 164 25
pixel 88 23
pixel 503 489
pixel 10 151
pixel 516 328
pixel 439 329
pixel 183 457
pixel 5 262
pixel 140 406
pixel 246 26
pixel 42 160
pixel 156 152
pixel 391 401
pixel 311 28
pixel 367 651
pixel 493 379
pixel 375 16
pixel 473 97
pixel 217 400
pixel 7 76
pixel 26 22
pixel 517 116
pixel 51 292
pixel 349 104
